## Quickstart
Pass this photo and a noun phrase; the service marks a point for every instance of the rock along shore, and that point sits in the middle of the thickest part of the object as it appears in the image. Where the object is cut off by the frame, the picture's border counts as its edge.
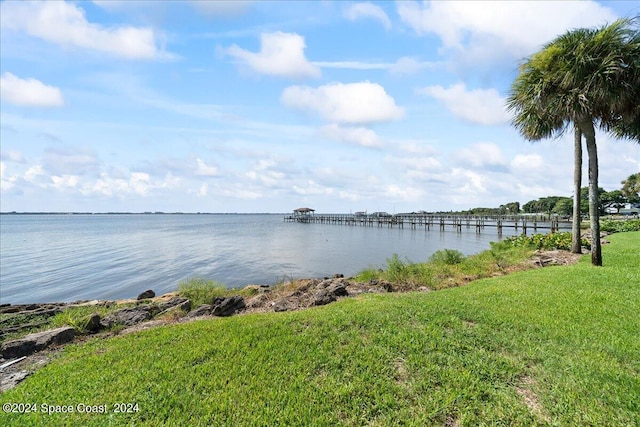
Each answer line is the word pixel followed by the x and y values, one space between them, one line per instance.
pixel 21 357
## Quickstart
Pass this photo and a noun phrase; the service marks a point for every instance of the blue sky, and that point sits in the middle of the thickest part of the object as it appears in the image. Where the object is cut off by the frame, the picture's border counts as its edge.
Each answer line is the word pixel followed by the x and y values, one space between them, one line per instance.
pixel 255 106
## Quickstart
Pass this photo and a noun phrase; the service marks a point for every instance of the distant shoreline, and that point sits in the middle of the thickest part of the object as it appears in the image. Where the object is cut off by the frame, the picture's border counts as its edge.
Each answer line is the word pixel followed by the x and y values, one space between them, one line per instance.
pixel 141 213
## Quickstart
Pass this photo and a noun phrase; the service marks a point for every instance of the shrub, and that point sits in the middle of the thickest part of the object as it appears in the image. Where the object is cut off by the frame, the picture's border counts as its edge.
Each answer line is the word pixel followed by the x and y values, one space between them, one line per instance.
pixel 396 269
pixel 447 256
pixel 549 241
pixel 368 275
pixel 200 291
pixel 612 226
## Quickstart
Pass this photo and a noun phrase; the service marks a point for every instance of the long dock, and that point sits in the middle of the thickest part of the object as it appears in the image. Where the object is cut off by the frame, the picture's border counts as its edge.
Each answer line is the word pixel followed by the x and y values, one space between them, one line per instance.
pixel 550 223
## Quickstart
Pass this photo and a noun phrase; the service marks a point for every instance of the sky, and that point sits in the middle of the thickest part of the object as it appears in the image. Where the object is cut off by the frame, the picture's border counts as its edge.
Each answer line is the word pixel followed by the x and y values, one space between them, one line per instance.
pixel 258 106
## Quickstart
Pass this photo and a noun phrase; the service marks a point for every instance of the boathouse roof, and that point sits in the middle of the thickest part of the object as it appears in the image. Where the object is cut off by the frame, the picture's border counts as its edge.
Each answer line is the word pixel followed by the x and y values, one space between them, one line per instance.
pixel 304 210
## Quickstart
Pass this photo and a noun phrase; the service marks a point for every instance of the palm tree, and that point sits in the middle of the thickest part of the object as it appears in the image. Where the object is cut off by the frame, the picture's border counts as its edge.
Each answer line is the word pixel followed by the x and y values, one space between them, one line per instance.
pixel 576 241
pixel 587 78
pixel 631 188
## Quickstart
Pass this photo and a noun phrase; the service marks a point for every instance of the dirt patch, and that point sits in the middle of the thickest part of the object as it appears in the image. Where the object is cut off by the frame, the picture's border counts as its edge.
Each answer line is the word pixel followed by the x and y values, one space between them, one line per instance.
pixel 531 399
pixel 549 258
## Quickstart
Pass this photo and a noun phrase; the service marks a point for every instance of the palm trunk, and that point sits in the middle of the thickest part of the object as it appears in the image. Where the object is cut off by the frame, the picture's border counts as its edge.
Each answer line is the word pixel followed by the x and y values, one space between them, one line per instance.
pixel 576 245
pixel 587 129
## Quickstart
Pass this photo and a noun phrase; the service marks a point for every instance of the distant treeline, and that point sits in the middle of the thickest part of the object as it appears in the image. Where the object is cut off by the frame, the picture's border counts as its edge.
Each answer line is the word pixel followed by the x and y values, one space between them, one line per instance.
pixel 609 201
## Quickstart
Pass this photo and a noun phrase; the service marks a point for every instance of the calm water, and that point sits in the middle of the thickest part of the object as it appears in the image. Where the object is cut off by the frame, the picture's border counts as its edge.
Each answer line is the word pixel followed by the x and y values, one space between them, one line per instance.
pixel 46 258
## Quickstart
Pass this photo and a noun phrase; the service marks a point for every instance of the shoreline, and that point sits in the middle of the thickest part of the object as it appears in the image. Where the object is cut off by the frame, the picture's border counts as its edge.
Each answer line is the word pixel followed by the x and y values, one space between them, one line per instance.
pixel 20 357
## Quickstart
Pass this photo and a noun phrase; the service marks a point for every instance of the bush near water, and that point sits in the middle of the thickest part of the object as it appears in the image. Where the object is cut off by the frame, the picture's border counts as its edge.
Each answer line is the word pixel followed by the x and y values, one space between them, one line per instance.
pixel 546 242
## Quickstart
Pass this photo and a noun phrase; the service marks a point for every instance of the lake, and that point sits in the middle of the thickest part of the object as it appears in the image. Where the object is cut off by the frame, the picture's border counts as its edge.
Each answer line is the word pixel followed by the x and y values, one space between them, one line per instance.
pixel 49 258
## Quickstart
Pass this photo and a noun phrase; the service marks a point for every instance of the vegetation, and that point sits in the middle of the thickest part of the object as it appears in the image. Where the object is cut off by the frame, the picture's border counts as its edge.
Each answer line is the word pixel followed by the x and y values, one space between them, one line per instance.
pixel 74 316
pixel 551 346
pixel 201 291
pixel 620 226
pixel 585 78
pixel 631 188
pixel 447 268
pixel 447 256
pixel 547 242
pixel 553 204
pixel 629 193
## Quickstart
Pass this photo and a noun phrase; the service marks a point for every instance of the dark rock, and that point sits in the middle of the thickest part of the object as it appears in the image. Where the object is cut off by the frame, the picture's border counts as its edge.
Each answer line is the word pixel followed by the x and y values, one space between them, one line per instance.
pixel 323 297
pixel 146 294
pixel 304 288
pixel 92 323
pixel 329 292
pixel 338 276
pixel 16 328
pixel 184 304
pixel 127 316
pixel 257 301
pixel 280 305
pixel 338 290
pixel 227 306
pixel 37 342
pixel 325 283
pixel 203 310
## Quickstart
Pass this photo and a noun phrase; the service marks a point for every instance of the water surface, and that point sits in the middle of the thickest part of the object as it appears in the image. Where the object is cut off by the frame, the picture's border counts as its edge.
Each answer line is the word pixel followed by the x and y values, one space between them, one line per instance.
pixel 45 258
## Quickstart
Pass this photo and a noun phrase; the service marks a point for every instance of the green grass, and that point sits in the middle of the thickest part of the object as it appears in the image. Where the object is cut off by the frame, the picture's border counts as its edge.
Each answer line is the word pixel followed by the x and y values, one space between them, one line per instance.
pixel 552 346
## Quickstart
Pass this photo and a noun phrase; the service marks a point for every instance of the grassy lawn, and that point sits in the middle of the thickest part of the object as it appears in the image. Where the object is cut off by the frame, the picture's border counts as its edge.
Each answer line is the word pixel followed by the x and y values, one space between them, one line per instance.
pixel 552 346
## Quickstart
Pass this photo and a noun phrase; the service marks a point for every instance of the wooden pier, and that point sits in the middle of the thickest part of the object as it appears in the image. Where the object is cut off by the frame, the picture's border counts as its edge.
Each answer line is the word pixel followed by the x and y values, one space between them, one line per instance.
pixel 549 223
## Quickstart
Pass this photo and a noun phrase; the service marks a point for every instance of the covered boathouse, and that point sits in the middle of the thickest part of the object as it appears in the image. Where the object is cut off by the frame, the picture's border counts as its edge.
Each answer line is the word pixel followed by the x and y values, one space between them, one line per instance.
pixel 303 214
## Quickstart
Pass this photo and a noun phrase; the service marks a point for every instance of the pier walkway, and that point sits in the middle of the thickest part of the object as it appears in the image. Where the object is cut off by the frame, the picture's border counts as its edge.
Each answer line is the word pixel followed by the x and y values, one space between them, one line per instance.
pixel 551 223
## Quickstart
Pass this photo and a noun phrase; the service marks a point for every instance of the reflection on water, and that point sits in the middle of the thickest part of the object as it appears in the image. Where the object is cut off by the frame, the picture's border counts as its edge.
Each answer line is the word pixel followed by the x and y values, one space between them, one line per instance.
pixel 72 257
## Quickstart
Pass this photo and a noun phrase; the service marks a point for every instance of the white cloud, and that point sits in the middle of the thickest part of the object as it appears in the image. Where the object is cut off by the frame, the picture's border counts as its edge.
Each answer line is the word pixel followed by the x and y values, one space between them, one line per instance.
pixel 353 65
pixel 415 146
pixel 416 163
pixel 312 188
pixel 269 173
pixel 202 191
pixel 352 103
pixel 368 10
pixel 406 193
pixel 490 28
pixel 408 65
pixel 471 182
pixel 281 54
pixel 404 65
pixel 33 172
pixel 205 170
pixel 6 182
pixel 12 156
pixel 66 24
pixel 481 155
pixel 352 135
pixel 527 161
pixel 481 106
pixel 29 92
pixel 140 183
pixel 65 181
pixel 70 160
